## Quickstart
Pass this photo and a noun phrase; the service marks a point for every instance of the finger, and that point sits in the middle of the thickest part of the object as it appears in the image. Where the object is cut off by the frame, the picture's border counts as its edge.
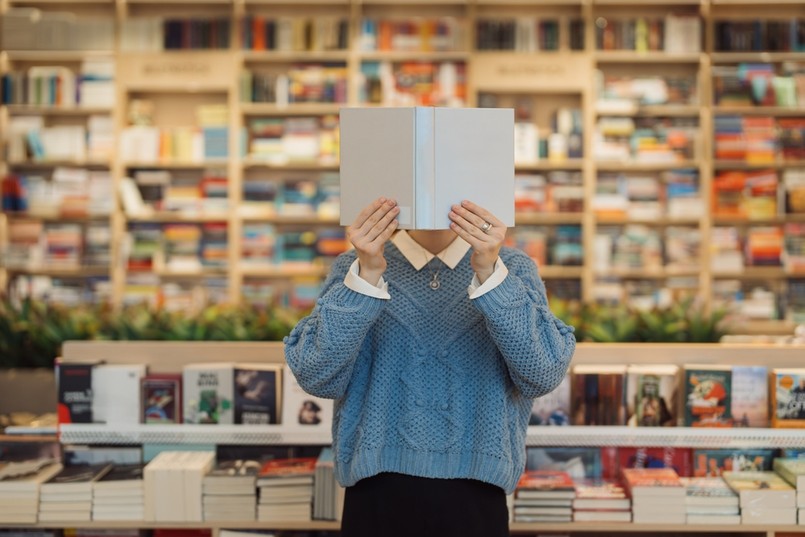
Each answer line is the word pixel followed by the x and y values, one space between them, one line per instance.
pixel 376 216
pixel 469 216
pixel 473 241
pixel 482 213
pixel 470 228
pixel 382 225
pixel 367 211
pixel 387 232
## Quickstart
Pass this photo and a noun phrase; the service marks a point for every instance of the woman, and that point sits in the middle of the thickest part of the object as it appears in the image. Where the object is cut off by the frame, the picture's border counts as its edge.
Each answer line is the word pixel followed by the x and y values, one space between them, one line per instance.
pixel 434 345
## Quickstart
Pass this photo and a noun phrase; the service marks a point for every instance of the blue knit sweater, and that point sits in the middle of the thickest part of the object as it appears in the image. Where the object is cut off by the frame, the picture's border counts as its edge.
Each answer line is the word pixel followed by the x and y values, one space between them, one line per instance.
pixel 431 383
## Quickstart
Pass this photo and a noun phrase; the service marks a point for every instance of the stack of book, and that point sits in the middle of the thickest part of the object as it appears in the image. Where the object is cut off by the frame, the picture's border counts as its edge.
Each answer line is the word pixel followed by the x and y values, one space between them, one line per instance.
pixel 544 496
pixel 68 494
pixel 601 501
pixel 19 489
pixel 172 484
pixel 709 500
pixel 793 471
pixel 658 496
pixel 286 489
pixel 119 494
pixel 229 491
pixel 765 498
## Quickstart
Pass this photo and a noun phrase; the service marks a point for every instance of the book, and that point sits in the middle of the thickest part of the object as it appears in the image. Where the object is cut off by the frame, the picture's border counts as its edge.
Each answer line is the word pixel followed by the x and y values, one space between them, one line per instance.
pixel 714 462
pixel 601 494
pixel 652 395
pixel 208 393
pixel 663 482
pixel 75 479
pixel 788 397
pixel 545 484
pixel 598 395
pixel 708 395
pixel 579 462
pixel 552 408
pixel 758 490
pixel 116 393
pixel 427 159
pixel 709 492
pixel 258 393
pixel 287 471
pixel 750 396
pixel 161 398
pixel 302 411
pixel 614 460
pixel 792 470
pixel 74 388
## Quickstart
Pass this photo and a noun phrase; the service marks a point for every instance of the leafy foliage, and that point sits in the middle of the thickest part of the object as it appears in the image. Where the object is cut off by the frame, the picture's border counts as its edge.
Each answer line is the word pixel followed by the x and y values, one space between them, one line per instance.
pixel 31 332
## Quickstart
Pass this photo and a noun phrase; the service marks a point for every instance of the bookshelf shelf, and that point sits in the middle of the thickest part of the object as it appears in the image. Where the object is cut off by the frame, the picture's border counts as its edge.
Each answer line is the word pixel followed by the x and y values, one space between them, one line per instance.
pixel 293 166
pixel 58 217
pixel 81 272
pixel 189 165
pixel 312 56
pixel 616 166
pixel 741 165
pixel 762 57
pixel 744 222
pixel 547 165
pixel 43 164
pixel 547 219
pixel 756 273
pixel 659 222
pixel 557 271
pixel 56 55
pixel 178 218
pixel 649 274
pixel 280 271
pixel 307 220
pixel 776 111
pixel 302 109
pixel 190 274
pixel 630 56
pixel 657 111
pixel 402 56
pixel 19 110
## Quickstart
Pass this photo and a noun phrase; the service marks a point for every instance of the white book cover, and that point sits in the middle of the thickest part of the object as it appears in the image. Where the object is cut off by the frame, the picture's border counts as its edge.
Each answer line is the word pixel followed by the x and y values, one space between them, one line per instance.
pixel 116 393
pixel 427 159
pixel 208 393
pixel 302 411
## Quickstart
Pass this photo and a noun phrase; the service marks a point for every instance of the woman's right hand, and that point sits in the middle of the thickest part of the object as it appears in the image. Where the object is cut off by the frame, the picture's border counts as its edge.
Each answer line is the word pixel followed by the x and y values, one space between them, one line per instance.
pixel 369 233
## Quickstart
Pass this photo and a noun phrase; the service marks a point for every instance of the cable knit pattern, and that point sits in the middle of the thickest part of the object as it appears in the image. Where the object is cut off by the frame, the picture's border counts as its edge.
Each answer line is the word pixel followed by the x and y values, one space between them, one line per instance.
pixel 431 383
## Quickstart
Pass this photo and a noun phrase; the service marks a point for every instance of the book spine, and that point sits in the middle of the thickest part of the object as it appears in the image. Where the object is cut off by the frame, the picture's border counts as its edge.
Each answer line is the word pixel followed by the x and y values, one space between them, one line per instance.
pixel 423 211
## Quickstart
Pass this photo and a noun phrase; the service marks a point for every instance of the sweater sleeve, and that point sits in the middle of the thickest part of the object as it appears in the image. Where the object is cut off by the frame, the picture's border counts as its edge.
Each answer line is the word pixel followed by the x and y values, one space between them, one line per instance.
pixel 323 347
pixel 536 346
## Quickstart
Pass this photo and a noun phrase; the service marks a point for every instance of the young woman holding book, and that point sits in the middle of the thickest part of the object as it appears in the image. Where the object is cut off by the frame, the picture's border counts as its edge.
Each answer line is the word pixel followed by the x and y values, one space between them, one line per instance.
pixel 434 345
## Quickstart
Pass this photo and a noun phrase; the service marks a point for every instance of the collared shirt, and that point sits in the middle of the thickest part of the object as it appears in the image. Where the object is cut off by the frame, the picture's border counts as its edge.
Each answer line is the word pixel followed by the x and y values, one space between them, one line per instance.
pixel 419 257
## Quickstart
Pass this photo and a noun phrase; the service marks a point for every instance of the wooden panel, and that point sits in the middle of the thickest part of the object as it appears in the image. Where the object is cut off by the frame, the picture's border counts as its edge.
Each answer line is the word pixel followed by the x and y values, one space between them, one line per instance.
pixel 187 71
pixel 532 73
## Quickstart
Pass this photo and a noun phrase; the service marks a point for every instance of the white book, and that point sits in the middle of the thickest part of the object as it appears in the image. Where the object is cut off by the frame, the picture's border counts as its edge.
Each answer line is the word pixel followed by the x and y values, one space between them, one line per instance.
pixel 200 464
pixel 116 393
pixel 427 159
pixel 766 515
pixel 714 519
pixel 602 516
pixel 208 393
pixel 302 411
pixel 801 516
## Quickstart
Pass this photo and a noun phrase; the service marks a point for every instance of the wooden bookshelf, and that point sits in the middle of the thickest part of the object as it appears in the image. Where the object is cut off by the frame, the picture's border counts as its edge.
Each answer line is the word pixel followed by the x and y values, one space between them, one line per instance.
pixel 550 78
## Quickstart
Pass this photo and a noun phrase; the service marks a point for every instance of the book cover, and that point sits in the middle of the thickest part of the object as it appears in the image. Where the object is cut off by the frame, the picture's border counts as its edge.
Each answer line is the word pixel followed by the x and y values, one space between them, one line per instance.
pixel 302 411
pixel 74 387
pixel 615 459
pixel 578 462
pixel 708 491
pixel 427 159
pixel 116 393
pixel 161 396
pixel 76 478
pixel 760 490
pixel 208 393
pixel 552 408
pixel 750 396
pixel 287 468
pixel 545 484
pixel 708 400
pixel 598 396
pixel 606 494
pixel 652 395
pixel 258 393
pixel 640 480
pixel 714 462
pixel 788 397
pixel 121 476
pixel 792 470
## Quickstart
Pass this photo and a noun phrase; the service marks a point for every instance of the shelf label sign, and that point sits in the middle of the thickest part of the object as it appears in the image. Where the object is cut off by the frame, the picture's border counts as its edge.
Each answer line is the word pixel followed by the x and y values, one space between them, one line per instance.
pixel 500 72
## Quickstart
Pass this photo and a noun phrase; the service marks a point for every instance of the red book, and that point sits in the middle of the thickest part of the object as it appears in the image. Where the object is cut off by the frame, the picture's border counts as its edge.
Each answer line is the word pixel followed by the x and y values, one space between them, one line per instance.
pixel 653 481
pixel 299 466
pixel 614 460
pixel 545 484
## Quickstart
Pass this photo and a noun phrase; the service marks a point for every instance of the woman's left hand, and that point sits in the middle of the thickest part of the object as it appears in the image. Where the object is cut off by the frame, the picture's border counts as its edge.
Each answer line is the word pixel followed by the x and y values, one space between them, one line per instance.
pixel 483 231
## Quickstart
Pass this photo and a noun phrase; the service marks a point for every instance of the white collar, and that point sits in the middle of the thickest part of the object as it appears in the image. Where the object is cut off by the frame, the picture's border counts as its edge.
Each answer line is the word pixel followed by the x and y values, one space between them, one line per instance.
pixel 419 256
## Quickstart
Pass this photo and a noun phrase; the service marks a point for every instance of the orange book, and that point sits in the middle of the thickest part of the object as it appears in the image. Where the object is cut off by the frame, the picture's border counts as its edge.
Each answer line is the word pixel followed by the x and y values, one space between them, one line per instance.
pixel 258 33
pixel 788 397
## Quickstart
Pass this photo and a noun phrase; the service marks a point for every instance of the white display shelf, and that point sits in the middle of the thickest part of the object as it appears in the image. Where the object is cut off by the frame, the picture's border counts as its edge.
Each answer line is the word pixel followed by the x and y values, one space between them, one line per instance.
pixel 614 436
pixel 599 436
pixel 190 434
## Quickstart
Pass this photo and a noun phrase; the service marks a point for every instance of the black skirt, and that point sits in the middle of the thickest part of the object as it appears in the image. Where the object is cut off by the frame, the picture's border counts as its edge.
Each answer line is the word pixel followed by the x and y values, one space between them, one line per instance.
pixel 392 505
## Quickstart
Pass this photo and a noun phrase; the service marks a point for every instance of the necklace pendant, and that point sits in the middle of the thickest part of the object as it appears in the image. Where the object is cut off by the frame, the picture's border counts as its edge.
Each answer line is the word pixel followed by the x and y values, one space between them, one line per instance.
pixel 434 284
